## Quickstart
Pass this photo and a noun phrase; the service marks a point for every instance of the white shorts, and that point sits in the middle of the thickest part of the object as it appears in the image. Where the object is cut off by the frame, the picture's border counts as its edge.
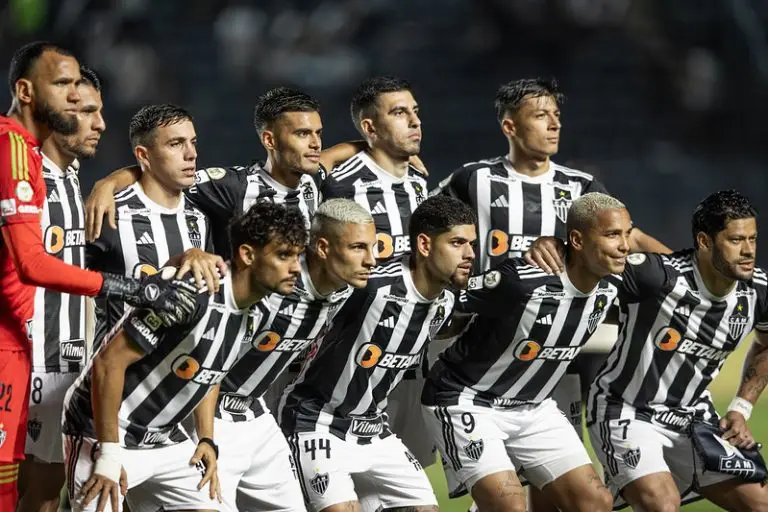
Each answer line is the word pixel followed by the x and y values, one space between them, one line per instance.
pixel 630 449
pixel 256 468
pixel 158 478
pixel 46 401
pixel 537 440
pixel 334 471
pixel 407 421
pixel 567 396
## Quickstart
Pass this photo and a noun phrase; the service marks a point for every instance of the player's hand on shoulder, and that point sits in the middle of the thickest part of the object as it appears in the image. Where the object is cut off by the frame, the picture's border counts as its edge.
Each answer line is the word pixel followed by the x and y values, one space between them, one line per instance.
pixel 100 204
pixel 206 268
pixel 547 253
pixel 735 430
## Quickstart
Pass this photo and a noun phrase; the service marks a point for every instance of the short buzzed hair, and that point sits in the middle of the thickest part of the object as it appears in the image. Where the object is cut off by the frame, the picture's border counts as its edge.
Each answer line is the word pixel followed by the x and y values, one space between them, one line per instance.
pixel 24 59
pixel 147 120
pixel 364 99
pixel 585 209
pixel 333 212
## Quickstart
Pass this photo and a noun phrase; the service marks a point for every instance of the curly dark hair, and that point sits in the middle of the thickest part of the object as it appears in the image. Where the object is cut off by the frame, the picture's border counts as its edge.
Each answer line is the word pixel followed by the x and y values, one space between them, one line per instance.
pixel 266 221
pixel 438 215
pixel 713 214
pixel 148 119
pixel 364 99
pixel 275 102
pixel 511 95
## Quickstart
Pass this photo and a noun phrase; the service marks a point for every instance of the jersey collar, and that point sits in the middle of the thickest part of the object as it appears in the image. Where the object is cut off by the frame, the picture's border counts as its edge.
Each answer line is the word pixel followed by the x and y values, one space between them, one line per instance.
pixel 547 177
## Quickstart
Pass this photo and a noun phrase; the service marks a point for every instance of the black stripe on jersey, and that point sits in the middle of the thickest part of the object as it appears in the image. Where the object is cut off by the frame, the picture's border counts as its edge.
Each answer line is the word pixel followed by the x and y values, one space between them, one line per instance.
pixel 531 207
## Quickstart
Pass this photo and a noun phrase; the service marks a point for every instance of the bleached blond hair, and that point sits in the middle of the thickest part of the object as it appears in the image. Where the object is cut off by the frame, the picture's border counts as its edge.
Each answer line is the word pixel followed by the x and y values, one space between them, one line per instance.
pixel 585 209
pixel 332 213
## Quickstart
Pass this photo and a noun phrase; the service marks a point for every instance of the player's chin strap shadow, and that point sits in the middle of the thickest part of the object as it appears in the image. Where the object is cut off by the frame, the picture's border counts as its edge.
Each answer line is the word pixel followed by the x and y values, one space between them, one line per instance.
pixel 719 456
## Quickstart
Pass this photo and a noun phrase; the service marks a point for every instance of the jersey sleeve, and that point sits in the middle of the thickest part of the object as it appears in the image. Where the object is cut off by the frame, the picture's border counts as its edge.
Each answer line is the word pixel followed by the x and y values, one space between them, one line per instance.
pixel 22 189
pixel 596 186
pixel 456 185
pixel 645 274
pixel 218 192
pixel 492 293
pixel 761 311
pixel 144 328
pixel 101 252
pixel 333 189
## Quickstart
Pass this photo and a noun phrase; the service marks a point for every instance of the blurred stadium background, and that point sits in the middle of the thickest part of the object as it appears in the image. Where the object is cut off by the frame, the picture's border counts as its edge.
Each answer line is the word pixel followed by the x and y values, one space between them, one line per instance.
pixel 666 99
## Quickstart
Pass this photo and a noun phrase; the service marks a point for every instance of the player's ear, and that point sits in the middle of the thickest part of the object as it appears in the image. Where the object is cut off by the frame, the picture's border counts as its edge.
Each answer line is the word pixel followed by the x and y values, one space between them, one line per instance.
pixel 576 239
pixel 703 241
pixel 508 126
pixel 367 128
pixel 268 140
pixel 247 254
pixel 24 91
pixel 142 156
pixel 321 247
pixel 423 244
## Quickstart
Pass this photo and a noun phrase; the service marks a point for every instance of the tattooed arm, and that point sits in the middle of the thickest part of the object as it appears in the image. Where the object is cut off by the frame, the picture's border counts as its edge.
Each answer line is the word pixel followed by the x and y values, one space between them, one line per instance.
pixel 754 378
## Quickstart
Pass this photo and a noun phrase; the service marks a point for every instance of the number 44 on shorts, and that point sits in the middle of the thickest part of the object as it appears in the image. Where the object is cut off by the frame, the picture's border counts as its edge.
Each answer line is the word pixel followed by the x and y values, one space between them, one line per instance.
pixel 322 445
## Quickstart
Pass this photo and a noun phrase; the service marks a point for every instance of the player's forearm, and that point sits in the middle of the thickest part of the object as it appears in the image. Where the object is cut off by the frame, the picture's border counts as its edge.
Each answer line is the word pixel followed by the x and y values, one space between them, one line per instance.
pixel 335 155
pixel 106 395
pixel 643 242
pixel 38 268
pixel 119 179
pixel 204 413
pixel 754 375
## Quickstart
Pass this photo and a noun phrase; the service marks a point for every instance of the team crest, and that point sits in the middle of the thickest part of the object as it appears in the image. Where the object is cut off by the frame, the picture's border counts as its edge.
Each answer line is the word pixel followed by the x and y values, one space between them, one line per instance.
pixel 419 192
pixel 562 202
pixel 216 173
pixel 319 483
pixel 595 316
pixel 308 192
pixel 474 449
pixel 194 232
pixel 739 320
pixel 34 426
pixel 437 321
pixel 631 458
pixel 3 435
pixel 492 279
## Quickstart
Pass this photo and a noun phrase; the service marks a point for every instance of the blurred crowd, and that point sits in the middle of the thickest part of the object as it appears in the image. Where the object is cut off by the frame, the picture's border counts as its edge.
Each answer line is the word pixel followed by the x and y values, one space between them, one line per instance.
pixel 664 98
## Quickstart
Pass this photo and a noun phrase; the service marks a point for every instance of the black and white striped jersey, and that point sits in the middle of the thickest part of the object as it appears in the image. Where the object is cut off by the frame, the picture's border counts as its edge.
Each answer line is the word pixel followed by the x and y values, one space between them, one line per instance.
pixel 225 193
pixel 375 337
pixel 289 324
pixel 674 337
pixel 528 327
pixel 181 364
pixel 390 200
pixel 513 209
pixel 147 235
pixel 58 324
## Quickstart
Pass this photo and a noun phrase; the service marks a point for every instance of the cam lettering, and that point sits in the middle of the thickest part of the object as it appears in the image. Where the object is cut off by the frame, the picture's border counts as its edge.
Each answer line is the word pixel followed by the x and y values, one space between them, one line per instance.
pixel 733 463
pixel 500 243
pixel 388 245
pixel 57 238
pixel 146 331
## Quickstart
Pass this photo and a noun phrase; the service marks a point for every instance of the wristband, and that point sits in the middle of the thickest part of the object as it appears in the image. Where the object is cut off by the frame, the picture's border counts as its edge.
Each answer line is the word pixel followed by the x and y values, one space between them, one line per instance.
pixel 109 464
pixel 742 406
pixel 209 442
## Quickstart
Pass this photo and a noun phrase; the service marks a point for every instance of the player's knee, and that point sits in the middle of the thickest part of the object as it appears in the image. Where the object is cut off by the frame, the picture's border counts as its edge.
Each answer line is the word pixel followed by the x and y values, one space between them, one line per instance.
pixel 598 500
pixel 660 500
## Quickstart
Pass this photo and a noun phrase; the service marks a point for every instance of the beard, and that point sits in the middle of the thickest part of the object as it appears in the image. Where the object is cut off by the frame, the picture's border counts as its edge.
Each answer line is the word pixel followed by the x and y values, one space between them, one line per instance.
pixel 725 268
pixel 56 121
pixel 79 151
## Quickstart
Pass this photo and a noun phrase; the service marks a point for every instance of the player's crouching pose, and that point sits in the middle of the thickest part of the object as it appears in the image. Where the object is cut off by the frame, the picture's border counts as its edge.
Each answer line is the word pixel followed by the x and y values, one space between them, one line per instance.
pixel 487 401
pixel 335 412
pixel 260 475
pixel 125 409
pixel 682 315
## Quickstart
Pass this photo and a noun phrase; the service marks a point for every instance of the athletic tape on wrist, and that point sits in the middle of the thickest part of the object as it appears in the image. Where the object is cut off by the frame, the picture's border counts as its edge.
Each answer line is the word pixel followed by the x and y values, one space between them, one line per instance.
pixel 742 406
pixel 109 462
